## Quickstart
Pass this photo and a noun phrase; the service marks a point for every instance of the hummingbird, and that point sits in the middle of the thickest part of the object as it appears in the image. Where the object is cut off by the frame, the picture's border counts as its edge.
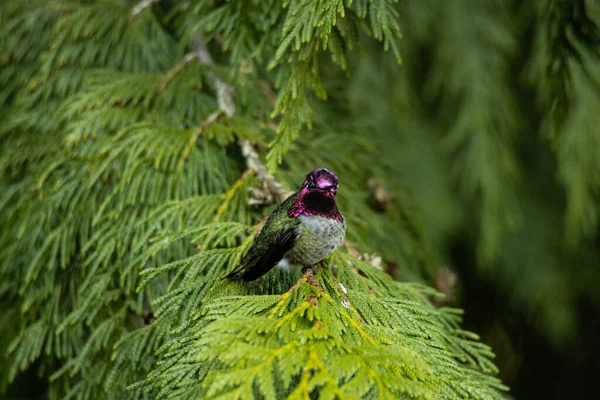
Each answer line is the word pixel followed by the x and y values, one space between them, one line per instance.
pixel 303 230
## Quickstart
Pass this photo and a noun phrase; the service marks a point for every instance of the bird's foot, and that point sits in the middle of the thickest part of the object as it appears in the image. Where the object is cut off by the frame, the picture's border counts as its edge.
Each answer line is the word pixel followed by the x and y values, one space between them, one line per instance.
pixel 308 273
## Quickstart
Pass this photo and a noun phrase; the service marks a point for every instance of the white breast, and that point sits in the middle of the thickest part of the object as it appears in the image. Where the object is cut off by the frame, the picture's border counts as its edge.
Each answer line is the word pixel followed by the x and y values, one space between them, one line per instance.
pixel 318 239
pixel 329 233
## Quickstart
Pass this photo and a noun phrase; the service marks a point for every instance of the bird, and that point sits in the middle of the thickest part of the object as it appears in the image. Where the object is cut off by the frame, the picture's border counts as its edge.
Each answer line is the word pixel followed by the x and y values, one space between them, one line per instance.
pixel 303 230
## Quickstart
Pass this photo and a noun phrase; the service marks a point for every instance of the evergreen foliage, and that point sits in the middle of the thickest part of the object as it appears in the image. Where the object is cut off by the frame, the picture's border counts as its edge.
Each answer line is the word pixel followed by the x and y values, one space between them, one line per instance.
pixel 126 192
pixel 123 207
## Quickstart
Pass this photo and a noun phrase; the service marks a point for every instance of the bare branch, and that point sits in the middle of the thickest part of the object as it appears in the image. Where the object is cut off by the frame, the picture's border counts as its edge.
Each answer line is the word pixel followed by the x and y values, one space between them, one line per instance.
pixel 272 190
pixel 270 185
pixel 351 250
pixel 141 6
pixel 225 91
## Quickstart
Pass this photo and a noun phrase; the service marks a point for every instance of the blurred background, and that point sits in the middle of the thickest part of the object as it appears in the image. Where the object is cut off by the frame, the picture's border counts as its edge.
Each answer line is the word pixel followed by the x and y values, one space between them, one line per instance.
pixel 483 155
pixel 493 122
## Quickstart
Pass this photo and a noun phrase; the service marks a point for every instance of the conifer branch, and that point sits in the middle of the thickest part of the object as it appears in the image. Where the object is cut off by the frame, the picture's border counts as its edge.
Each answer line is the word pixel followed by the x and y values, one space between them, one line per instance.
pixel 126 236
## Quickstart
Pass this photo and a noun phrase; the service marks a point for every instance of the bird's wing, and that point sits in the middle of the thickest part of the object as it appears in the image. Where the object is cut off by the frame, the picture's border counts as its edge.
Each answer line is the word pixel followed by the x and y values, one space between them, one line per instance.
pixel 277 237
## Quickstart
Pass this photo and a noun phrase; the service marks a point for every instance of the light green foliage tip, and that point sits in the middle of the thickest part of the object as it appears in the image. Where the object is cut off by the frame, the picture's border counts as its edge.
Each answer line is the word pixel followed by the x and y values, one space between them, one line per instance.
pixel 363 336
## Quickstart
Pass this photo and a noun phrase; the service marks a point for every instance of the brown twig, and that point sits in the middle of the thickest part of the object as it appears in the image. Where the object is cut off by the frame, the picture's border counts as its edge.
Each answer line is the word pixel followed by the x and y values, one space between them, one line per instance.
pixel 308 275
pixel 351 250
pixel 310 278
pixel 268 92
pixel 298 283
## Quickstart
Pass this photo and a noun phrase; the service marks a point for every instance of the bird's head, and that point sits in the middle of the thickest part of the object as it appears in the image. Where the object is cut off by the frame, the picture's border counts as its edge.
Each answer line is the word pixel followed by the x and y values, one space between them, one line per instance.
pixel 322 180
pixel 317 196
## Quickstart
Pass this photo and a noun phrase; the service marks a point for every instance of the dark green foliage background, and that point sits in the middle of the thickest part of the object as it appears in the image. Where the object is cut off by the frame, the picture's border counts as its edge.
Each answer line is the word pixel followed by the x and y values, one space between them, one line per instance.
pixel 116 210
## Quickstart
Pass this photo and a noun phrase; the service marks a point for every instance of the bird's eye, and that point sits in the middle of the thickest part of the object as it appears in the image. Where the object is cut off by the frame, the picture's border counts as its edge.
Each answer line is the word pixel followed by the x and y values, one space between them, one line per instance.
pixel 310 185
